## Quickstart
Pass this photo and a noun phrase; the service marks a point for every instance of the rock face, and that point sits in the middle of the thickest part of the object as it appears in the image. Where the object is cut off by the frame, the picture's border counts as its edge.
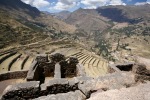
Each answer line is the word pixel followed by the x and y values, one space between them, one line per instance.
pixel 77 95
pixel 142 74
pixel 23 90
pixel 108 82
pixel 144 61
pixel 84 86
pixel 141 92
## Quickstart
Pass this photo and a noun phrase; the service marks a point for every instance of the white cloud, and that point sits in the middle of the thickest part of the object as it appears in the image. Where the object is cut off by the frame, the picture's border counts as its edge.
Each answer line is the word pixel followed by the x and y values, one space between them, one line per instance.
pixel 140 3
pixel 37 3
pixel 98 3
pixel 27 1
pixel 65 4
pixel 148 1
pixel 116 2
pixel 72 4
pixel 94 2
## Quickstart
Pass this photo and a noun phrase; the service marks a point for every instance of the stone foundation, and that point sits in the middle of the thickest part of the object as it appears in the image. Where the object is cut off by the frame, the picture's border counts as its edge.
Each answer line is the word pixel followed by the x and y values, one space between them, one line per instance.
pixel 13 75
pixel 85 85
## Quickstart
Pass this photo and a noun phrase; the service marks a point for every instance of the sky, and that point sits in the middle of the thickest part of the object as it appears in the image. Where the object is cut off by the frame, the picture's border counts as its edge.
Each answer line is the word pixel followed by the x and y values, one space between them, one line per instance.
pixel 54 6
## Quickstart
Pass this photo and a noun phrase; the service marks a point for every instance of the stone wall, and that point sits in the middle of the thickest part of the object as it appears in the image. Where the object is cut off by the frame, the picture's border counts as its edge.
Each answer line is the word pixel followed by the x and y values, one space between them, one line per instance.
pixel 22 91
pixel 49 69
pixel 33 72
pixel 86 85
pixel 120 67
pixel 13 75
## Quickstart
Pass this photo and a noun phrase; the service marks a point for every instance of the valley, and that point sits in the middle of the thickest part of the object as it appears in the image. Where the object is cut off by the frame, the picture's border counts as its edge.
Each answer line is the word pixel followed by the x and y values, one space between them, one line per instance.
pixel 81 54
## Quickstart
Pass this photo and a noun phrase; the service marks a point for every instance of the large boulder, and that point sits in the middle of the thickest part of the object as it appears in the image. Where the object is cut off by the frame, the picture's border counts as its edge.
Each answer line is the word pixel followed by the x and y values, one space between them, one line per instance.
pixel 141 92
pixel 111 81
pixel 77 95
pixel 142 73
pixel 144 61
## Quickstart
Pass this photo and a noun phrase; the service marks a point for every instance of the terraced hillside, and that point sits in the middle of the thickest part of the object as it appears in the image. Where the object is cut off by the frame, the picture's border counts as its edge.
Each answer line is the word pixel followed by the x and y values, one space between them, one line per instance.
pixel 13 61
pixel 94 65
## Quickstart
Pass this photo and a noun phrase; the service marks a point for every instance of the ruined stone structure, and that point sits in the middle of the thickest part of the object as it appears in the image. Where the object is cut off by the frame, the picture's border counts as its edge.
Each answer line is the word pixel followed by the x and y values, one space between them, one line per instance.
pixel 57 67
pixel 54 77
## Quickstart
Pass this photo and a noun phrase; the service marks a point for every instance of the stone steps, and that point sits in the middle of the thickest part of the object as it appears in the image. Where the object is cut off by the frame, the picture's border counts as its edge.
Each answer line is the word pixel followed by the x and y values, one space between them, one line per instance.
pixel 18 64
pixel 28 63
pixel 13 61
pixel 79 55
pixel 83 57
pixel 101 67
pixel 91 66
pixel 24 61
pixel 2 56
pixel 4 66
pixel 86 60
pixel 82 60
pixel 95 67
pixel 7 56
pixel 105 67
pixel 86 67
pixel 6 52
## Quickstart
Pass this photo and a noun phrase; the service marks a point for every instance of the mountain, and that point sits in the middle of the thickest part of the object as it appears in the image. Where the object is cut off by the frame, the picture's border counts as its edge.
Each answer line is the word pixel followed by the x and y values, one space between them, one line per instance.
pixel 87 19
pixel 102 18
pixel 21 23
pixel 18 8
pixel 114 32
pixel 129 13
pixel 62 15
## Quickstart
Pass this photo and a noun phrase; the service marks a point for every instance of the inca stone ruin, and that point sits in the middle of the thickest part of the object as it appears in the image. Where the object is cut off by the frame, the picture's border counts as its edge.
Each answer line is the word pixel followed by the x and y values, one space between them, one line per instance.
pixel 78 76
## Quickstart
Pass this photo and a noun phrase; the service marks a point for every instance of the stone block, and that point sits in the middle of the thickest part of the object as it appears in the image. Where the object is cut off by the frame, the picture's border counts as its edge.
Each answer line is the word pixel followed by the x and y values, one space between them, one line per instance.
pixel 77 95
pixel 140 92
pixel 26 90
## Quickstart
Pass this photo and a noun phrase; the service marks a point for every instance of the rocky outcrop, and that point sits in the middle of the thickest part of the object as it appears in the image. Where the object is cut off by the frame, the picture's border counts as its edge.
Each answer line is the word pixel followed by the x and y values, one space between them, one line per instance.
pixel 111 81
pixel 77 95
pixel 71 83
pixel 141 92
pixel 143 61
pixel 142 74
pixel 21 91
pixel 85 85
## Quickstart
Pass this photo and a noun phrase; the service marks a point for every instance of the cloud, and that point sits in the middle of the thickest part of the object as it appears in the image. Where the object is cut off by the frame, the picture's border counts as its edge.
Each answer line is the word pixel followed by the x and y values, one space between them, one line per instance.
pixel 94 2
pixel 116 2
pixel 72 4
pixel 148 1
pixel 98 3
pixel 65 4
pixel 27 1
pixel 140 3
pixel 37 3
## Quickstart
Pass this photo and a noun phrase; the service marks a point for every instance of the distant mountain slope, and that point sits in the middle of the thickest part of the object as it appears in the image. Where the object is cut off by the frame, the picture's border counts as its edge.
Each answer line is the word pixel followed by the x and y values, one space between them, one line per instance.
pixel 87 19
pixel 24 12
pixel 62 15
pixel 22 24
pixel 103 18
pixel 125 13
pixel 20 7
